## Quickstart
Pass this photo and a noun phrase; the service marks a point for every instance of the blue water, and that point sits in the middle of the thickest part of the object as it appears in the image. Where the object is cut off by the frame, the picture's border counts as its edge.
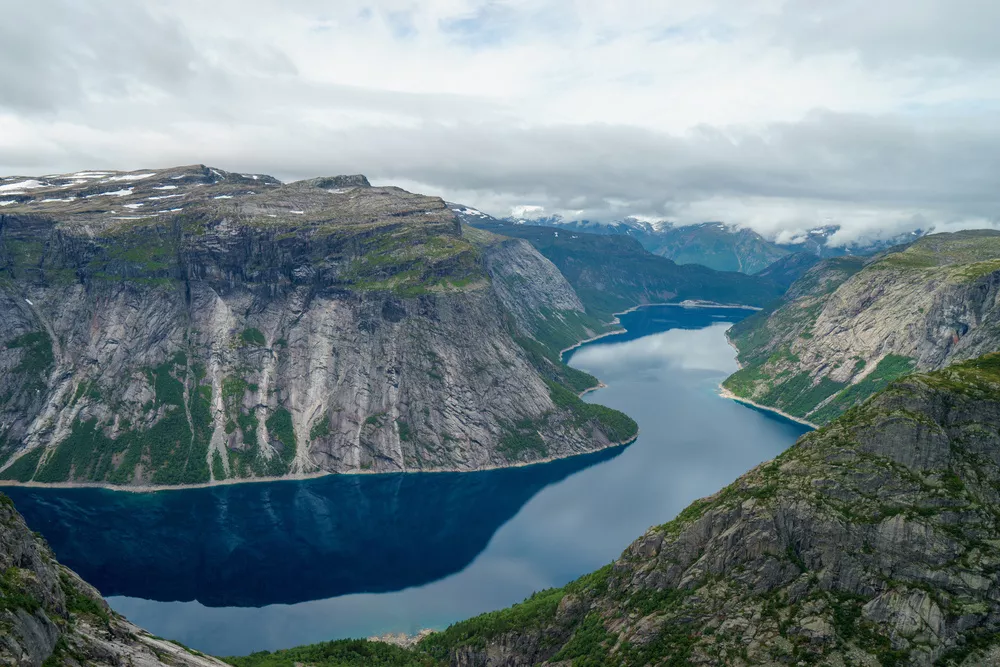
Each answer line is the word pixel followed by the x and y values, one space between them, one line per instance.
pixel 235 569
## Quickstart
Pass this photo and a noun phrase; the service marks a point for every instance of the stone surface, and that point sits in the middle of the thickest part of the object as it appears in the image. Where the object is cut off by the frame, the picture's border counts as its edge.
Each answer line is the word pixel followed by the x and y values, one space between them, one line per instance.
pixel 850 325
pixel 47 613
pixel 849 548
pixel 188 325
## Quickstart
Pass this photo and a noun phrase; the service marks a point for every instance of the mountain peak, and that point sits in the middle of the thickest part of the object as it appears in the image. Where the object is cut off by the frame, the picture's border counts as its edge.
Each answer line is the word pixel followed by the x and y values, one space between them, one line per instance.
pixel 338 182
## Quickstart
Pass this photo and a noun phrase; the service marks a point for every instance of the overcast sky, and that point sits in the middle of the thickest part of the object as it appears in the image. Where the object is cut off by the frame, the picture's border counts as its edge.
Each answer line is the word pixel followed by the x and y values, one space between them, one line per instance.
pixel 880 115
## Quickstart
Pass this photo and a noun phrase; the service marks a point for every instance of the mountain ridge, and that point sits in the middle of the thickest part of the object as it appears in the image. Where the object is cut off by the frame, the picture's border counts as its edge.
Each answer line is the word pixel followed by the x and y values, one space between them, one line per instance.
pixel 238 333
pixel 722 246
pixel 851 325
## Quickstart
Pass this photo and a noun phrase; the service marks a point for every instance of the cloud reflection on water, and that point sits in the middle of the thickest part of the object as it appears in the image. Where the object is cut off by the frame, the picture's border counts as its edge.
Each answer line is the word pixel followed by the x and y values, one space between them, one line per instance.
pixel 692 443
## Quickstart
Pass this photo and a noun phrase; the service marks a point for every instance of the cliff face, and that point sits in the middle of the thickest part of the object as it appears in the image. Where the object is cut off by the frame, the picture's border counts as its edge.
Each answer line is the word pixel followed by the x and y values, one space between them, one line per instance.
pixel 611 273
pixel 49 616
pixel 870 542
pixel 850 325
pixel 190 325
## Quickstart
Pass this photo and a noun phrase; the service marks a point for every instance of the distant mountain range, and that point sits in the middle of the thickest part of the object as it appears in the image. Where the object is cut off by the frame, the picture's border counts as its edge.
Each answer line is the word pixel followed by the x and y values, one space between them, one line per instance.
pixel 611 273
pixel 717 245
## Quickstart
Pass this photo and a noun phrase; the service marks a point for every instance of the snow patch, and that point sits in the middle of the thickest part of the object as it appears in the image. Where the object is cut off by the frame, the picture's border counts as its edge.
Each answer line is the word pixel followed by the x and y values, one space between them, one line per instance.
pixel 8 202
pixel 298 212
pixel 158 197
pixel 470 211
pixel 23 185
pixel 57 199
pixel 116 193
pixel 139 205
pixel 223 197
pixel 165 187
pixel 29 302
pixel 129 177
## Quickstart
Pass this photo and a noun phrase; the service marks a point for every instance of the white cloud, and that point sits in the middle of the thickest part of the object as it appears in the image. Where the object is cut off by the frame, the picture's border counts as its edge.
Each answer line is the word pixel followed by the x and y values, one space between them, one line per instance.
pixel 776 114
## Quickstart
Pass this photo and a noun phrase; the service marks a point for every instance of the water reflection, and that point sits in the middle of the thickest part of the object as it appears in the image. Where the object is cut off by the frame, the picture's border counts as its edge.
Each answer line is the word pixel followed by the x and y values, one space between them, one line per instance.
pixel 441 547
pixel 259 544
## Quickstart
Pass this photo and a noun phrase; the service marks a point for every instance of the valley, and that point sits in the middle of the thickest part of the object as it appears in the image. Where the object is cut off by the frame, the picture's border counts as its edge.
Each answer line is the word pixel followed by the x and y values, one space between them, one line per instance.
pixel 362 555
pixel 433 356
pixel 492 333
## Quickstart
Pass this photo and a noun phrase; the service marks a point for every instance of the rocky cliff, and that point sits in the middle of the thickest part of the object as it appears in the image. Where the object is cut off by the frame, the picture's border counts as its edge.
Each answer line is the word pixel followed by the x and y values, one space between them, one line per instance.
pixel 850 325
pixel 872 541
pixel 49 616
pixel 191 325
pixel 611 273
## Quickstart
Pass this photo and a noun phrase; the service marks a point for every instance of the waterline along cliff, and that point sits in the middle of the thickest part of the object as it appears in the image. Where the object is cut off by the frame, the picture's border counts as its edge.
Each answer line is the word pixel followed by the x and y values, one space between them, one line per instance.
pixel 869 542
pixel 191 325
pixel 851 325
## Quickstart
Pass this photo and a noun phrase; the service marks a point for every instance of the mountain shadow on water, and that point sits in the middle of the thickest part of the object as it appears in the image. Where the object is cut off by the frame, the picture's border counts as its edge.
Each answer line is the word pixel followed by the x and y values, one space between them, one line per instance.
pixel 330 536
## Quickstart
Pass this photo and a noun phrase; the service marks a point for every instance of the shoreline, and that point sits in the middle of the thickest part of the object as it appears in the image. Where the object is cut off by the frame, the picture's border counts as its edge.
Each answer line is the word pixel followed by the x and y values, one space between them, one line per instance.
pixel 300 477
pixel 725 393
pixel 688 303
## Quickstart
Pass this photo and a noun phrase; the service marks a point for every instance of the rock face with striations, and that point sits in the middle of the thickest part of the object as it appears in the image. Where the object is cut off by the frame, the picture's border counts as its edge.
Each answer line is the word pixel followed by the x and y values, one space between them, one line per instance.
pixel 851 325
pixel 191 325
pixel 872 541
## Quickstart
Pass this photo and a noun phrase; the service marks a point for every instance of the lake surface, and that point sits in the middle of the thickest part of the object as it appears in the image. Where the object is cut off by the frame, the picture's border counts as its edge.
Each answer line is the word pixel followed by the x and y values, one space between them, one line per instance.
pixel 235 569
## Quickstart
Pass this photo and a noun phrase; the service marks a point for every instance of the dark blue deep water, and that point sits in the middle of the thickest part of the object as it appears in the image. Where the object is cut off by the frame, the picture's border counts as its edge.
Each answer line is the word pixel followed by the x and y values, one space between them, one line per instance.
pixel 235 569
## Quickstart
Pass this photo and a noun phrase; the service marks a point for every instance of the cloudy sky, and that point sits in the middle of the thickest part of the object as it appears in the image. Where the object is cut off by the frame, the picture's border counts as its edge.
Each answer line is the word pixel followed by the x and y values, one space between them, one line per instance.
pixel 778 114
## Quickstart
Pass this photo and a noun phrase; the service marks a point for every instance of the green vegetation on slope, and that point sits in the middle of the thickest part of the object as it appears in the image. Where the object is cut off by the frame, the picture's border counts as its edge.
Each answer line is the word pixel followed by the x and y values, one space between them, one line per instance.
pixel 716 246
pixel 344 653
pixel 36 359
pixel 890 368
pixel 819 503
pixel 788 364
pixel 769 344
pixel 613 273
pixel 23 469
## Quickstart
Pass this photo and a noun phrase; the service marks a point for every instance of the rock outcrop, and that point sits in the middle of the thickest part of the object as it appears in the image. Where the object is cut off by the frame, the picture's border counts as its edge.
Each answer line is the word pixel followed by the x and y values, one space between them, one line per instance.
pixel 851 325
pixel 872 541
pixel 191 325
pixel 49 616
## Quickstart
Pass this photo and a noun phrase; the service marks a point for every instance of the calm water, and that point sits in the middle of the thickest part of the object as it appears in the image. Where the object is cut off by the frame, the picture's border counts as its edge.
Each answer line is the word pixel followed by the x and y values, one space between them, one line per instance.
pixel 236 569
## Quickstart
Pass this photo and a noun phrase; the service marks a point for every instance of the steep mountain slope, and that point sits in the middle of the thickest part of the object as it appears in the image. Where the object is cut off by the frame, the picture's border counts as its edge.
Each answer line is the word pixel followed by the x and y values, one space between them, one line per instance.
pixel 712 244
pixel 613 273
pixel 49 616
pixel 850 325
pixel 191 325
pixel 716 246
pixel 870 542
pixel 789 268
